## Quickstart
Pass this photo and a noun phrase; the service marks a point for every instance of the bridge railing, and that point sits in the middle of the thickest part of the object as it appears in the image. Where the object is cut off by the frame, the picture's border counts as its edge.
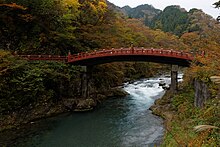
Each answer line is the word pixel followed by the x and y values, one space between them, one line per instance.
pixel 44 57
pixel 131 51
pixel 114 52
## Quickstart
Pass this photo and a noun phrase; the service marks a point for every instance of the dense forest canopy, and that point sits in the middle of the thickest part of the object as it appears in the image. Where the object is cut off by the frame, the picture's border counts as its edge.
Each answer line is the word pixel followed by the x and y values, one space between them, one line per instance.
pixel 165 20
pixel 60 26
pixel 57 27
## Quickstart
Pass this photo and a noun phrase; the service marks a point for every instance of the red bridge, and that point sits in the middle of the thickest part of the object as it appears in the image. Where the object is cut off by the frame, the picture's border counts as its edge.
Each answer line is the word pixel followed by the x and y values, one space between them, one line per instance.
pixel 86 59
pixel 181 58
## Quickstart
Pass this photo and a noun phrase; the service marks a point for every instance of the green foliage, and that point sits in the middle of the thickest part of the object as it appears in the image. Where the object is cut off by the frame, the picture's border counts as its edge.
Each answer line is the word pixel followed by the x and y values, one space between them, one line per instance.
pixel 143 11
pixel 180 129
pixel 48 24
pixel 110 77
pixel 23 83
pixel 55 27
pixel 92 12
pixel 165 20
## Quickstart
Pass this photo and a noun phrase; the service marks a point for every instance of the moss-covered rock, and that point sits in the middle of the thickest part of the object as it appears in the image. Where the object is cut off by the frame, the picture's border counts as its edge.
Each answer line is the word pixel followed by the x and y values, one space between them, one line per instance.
pixel 85 105
pixel 116 92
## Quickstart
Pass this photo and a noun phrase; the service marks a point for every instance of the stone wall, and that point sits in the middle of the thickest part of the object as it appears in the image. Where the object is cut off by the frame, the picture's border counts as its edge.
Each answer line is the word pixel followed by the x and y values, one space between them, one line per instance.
pixel 202 93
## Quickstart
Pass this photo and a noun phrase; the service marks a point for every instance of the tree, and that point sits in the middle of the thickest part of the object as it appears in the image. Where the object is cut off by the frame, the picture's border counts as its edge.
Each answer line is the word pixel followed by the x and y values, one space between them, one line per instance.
pixel 48 25
pixel 217 4
pixel 92 11
pixel 165 20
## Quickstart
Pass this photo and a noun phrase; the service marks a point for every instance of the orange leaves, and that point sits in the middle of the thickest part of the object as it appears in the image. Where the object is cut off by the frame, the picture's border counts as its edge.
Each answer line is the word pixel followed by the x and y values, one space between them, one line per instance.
pixel 14 6
pixel 26 17
pixel 189 38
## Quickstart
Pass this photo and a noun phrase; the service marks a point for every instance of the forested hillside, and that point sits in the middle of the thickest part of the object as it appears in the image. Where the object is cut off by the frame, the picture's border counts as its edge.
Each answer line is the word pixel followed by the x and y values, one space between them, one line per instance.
pixel 57 27
pixel 173 19
pixel 70 26
pixel 52 27
pixel 165 20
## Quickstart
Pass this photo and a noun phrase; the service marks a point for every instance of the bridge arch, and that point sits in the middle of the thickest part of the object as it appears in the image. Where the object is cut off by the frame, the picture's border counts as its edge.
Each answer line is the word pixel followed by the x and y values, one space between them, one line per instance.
pixel 168 56
pixel 132 54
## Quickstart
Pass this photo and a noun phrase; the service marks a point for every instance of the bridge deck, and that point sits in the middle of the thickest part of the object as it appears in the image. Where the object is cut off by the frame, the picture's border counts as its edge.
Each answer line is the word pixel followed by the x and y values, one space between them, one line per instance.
pixel 123 54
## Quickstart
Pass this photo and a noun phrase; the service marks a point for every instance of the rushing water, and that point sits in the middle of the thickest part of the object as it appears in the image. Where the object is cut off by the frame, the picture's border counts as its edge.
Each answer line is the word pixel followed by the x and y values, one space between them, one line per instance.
pixel 122 122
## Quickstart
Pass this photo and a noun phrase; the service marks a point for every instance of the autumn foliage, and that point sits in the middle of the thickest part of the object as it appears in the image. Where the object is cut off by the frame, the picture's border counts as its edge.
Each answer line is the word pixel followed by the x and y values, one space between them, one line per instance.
pixel 57 27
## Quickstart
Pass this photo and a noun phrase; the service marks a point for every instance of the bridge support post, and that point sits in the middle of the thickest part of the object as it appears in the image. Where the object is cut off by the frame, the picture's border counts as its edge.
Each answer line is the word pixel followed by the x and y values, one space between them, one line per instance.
pixel 174 78
pixel 85 76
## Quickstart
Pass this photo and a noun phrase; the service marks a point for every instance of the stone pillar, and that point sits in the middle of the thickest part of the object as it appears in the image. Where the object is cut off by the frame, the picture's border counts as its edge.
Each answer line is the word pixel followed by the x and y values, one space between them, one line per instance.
pixel 174 78
pixel 84 82
pixel 85 77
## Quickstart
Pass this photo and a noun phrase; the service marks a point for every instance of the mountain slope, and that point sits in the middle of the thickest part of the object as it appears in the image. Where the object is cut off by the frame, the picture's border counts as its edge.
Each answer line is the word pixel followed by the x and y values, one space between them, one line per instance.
pixel 141 11
pixel 173 19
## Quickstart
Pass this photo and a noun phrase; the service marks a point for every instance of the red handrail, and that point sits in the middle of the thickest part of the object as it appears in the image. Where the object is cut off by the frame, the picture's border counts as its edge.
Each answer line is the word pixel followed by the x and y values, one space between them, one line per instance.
pixel 113 52
pixel 131 51
pixel 44 57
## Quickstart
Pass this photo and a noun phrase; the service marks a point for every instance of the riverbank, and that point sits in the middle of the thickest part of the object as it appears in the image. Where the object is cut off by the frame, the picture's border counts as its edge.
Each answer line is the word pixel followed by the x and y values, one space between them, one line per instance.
pixel 33 90
pixel 162 107
pixel 46 109
pixel 181 117
pixel 117 122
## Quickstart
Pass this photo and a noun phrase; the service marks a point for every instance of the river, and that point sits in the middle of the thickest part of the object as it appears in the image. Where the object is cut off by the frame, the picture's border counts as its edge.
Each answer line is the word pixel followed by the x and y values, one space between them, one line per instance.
pixel 117 122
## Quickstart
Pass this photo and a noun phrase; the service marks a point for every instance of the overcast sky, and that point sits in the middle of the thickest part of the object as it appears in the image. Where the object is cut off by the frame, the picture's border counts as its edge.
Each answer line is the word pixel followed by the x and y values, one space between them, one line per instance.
pixel 205 5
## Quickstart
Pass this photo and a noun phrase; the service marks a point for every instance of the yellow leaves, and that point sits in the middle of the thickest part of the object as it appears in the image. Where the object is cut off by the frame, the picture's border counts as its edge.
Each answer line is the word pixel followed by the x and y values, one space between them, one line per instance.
pixel 14 5
pixel 102 6
pixel 69 3
pixel 201 72
pixel 92 11
pixel 3 53
pixel 99 8
pixel 93 7
pixel 70 6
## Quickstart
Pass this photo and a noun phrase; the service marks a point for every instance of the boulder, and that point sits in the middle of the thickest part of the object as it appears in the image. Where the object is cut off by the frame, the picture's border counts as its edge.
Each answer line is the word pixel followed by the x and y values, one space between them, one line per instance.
pixel 162 83
pixel 166 87
pixel 116 92
pixel 69 104
pixel 85 104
